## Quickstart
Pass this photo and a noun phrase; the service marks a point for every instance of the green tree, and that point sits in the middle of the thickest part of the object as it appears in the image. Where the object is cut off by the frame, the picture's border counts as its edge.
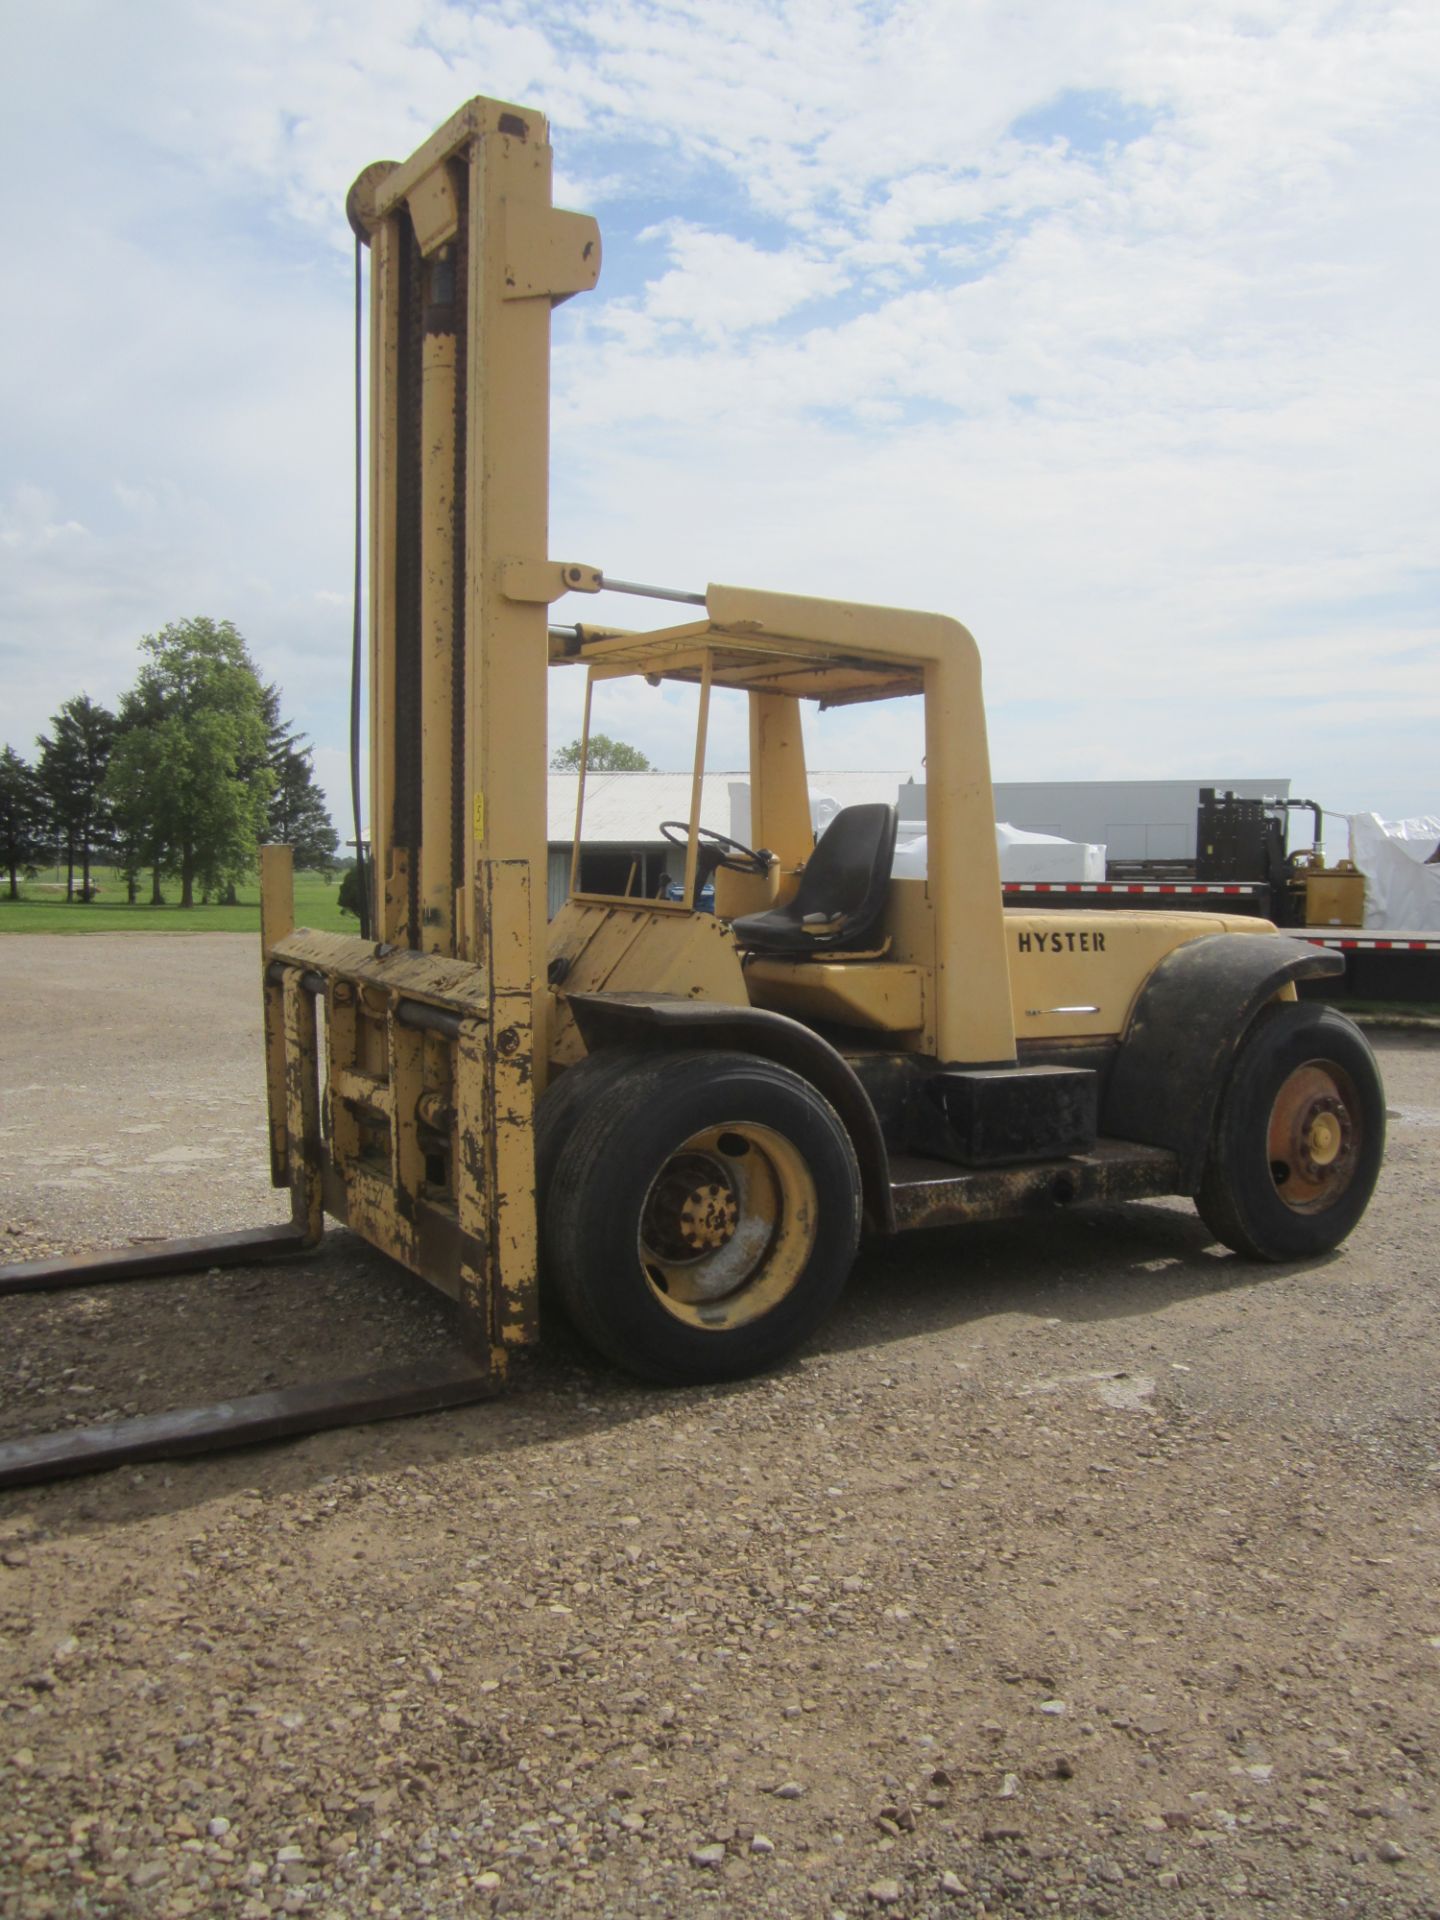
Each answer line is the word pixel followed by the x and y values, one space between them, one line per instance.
pixel 299 816
pixel 129 847
pixel 134 792
pixel 189 779
pixel 348 898
pixel 74 757
pixel 603 755
pixel 22 818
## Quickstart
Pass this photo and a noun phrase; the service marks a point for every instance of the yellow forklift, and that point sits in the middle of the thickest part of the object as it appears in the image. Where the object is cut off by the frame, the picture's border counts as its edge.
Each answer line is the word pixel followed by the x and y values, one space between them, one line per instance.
pixel 679 1122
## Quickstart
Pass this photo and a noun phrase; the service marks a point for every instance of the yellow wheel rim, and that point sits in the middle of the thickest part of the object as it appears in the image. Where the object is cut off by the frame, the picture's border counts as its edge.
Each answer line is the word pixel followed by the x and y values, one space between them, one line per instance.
pixel 727 1225
pixel 1314 1140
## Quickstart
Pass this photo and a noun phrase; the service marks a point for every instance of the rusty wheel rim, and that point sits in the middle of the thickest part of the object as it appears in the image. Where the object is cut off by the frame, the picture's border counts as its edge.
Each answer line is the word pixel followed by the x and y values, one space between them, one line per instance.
pixel 1314 1137
pixel 727 1225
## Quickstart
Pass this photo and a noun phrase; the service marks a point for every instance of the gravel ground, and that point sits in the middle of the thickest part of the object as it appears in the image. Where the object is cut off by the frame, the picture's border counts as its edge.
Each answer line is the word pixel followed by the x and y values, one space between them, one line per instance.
pixel 1074 1569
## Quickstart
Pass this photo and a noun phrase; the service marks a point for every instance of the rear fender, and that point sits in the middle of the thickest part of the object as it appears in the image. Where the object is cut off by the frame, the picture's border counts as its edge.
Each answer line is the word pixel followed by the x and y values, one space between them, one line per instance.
pixel 1189 1020
pixel 646 1021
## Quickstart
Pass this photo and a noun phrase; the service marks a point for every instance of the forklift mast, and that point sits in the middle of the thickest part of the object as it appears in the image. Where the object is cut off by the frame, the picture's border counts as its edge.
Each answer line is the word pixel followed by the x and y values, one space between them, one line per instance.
pixel 434 1040
pixel 468 256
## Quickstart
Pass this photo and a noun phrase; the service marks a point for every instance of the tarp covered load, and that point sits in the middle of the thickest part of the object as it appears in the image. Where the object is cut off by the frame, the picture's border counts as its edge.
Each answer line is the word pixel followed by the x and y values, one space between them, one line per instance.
pixel 1402 887
pixel 1023 856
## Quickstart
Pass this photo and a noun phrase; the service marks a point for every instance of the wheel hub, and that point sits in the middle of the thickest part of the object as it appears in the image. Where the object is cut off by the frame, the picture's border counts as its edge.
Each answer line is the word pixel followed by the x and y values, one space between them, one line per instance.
pixel 1323 1140
pixel 1313 1144
pixel 728 1225
pixel 694 1210
pixel 708 1217
pixel 1321 1133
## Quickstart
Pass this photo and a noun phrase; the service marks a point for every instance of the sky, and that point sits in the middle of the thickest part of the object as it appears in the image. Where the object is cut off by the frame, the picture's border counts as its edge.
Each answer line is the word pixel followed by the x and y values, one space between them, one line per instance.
pixel 1107 328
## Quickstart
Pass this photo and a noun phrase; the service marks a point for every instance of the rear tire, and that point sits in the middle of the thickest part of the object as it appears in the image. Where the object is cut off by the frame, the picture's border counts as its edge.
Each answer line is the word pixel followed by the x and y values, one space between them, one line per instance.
pixel 1298 1139
pixel 702 1214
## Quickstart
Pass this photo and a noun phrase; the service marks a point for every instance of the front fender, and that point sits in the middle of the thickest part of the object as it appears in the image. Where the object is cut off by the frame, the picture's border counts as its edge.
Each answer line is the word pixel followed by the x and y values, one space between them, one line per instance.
pixel 1187 1024
pixel 649 1020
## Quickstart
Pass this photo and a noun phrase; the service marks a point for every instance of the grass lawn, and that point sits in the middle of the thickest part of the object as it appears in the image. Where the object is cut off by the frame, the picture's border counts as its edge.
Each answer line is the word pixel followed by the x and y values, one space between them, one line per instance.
pixel 43 908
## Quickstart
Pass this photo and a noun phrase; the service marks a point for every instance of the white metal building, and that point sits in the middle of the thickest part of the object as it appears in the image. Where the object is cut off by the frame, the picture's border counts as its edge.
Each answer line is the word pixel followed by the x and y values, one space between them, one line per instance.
pixel 623 812
pixel 1131 819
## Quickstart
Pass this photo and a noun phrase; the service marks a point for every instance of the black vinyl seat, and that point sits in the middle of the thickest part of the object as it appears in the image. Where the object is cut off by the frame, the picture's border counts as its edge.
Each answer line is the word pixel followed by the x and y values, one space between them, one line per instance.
pixel 842 891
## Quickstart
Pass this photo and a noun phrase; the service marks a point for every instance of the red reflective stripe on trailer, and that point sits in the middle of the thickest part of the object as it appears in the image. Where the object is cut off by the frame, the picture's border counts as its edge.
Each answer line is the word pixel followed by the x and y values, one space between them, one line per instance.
pixel 1377 946
pixel 1243 889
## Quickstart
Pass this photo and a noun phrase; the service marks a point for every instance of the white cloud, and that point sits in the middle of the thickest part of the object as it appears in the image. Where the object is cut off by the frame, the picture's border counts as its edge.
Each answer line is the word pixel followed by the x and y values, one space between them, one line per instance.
pixel 28 522
pixel 720 285
pixel 1156 416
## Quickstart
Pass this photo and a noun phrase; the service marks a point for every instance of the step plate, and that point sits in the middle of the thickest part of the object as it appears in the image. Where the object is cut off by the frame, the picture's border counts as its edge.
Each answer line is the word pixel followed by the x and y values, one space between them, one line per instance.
pixel 933 1193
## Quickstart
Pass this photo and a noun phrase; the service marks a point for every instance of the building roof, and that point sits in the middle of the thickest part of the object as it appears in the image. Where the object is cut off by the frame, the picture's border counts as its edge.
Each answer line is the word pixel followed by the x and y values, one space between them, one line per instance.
pixel 625 809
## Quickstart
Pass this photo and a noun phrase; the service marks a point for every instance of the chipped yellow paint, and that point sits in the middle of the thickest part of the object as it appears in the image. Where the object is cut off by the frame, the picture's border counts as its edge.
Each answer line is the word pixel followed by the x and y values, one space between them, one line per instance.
pixel 610 948
pixel 511 1073
pixel 304 1147
pixel 277 919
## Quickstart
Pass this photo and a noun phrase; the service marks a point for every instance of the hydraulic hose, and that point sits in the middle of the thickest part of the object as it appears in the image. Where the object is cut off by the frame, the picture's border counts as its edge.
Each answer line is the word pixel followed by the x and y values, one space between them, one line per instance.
pixel 361 876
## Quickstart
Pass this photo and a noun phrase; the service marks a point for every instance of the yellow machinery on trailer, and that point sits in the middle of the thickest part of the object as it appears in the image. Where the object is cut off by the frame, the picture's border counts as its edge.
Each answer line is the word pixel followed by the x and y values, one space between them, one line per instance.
pixel 686 1119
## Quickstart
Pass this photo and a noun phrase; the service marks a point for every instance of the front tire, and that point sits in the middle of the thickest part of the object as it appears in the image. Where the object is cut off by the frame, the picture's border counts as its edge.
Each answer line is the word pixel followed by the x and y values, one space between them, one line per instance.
pixel 702 1214
pixel 1298 1138
pixel 559 1107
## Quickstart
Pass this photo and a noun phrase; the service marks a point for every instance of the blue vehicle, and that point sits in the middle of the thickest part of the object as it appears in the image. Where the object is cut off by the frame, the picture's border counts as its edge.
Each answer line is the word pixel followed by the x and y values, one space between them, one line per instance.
pixel 704 900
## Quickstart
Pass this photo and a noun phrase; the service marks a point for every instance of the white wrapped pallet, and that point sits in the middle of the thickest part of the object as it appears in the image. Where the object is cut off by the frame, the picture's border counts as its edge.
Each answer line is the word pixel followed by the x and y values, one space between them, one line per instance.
pixel 1402 891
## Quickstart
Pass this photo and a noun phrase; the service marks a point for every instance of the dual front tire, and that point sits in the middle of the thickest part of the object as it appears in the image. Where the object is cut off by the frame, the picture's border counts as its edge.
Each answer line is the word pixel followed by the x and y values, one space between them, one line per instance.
pixel 700 1211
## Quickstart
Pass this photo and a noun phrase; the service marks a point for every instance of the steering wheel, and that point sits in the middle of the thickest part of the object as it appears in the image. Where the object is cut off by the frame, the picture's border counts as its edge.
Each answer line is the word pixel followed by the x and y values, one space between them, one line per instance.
pixel 716 850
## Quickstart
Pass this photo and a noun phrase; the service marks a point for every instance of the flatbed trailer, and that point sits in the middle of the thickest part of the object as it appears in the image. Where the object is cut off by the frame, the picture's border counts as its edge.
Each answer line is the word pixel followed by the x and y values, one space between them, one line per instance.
pixel 1390 965
pixel 1144 896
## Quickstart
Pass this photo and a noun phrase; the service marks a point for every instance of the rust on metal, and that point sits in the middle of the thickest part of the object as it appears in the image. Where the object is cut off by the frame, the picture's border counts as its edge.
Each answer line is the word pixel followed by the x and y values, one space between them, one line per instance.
pixel 934 1193
pixel 250 1246
pixel 302 1107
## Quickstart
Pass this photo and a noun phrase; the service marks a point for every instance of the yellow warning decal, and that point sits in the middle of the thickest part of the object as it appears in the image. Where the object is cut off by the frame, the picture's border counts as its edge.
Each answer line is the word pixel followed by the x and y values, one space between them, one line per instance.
pixel 479 819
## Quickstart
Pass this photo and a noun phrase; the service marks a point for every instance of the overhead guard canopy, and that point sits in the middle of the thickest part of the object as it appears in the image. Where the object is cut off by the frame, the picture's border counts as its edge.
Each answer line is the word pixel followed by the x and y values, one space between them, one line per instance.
pixel 835 652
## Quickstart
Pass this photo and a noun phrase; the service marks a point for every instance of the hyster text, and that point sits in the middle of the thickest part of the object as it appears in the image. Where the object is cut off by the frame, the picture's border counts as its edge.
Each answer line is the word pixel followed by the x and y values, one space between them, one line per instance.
pixel 1061 942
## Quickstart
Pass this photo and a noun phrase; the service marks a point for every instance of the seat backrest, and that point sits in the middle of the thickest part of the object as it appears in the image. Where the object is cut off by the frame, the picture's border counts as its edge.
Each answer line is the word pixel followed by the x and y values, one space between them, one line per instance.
pixel 842 890
pixel 847 876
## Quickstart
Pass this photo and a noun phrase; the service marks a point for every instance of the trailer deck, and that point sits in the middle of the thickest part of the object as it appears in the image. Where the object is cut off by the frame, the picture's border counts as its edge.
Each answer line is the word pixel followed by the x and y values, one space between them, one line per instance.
pixel 1379 964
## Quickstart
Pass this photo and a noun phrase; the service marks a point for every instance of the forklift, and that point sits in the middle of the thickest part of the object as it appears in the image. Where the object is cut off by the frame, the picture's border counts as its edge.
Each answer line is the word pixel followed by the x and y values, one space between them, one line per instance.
pixel 674 1126
pixel 1238 838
